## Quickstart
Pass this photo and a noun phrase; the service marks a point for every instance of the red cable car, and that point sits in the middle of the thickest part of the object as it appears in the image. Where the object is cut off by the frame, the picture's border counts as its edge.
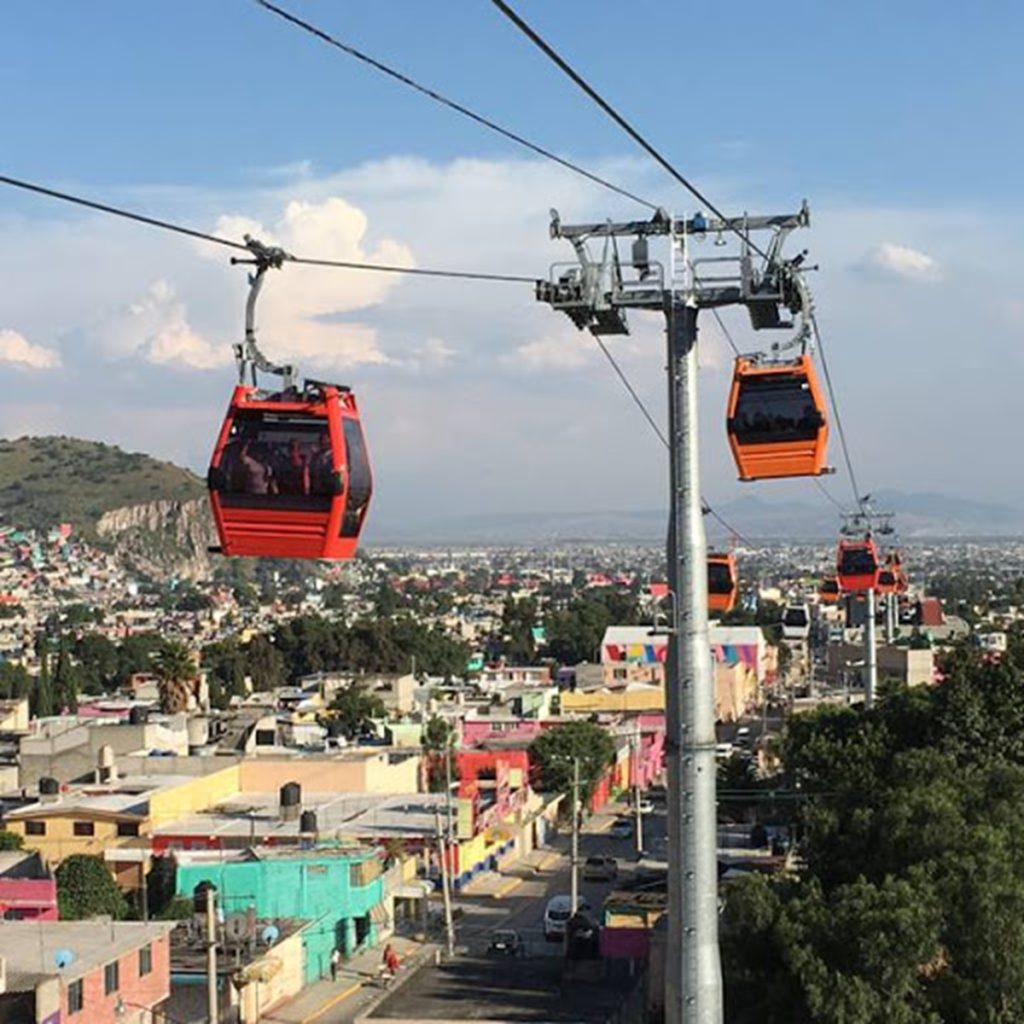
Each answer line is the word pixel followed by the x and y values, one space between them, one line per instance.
pixel 290 475
pixel 776 419
pixel 828 592
pixel 887 582
pixel 723 584
pixel 857 564
pixel 894 561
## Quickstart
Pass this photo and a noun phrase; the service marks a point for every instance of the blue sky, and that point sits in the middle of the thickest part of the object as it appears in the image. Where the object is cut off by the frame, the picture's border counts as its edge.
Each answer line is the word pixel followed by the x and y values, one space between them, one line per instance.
pixel 895 120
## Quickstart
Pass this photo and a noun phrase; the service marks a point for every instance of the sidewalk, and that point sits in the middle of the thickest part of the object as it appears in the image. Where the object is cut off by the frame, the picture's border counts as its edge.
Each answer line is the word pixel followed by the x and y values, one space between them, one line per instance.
pixel 314 1003
pixel 491 883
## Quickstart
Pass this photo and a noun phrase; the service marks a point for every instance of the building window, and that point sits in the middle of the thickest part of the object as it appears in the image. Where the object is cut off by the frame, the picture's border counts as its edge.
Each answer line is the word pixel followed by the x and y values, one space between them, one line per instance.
pixel 85 828
pixel 145 960
pixel 76 997
pixel 35 828
pixel 127 828
pixel 111 978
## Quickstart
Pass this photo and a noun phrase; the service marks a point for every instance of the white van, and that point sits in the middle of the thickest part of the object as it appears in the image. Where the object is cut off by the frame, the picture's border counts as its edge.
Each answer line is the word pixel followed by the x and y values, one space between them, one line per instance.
pixel 557 914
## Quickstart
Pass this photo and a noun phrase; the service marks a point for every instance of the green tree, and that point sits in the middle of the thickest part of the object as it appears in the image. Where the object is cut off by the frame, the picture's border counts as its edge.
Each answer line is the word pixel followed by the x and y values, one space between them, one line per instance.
pixel 173 662
pixel 553 752
pixel 42 706
pixel 14 681
pixel 354 709
pixel 85 888
pixel 97 658
pixel 65 679
pixel 10 841
pixel 264 664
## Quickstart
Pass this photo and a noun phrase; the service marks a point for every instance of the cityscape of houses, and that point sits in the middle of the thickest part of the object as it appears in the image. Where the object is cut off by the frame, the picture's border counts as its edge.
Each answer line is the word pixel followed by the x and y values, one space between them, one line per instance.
pixel 325 837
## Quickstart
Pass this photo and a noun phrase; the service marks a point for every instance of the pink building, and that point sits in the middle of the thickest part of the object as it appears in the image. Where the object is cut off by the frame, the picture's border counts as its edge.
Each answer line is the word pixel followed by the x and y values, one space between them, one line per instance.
pixel 28 890
pixel 85 972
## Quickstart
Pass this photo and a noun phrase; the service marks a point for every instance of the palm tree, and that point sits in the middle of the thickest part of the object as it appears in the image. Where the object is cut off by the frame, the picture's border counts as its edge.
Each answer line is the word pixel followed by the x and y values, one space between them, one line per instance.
pixel 176 669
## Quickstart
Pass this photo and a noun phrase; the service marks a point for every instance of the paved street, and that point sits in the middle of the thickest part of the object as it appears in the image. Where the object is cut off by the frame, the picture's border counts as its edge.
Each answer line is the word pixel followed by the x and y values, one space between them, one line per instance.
pixel 537 986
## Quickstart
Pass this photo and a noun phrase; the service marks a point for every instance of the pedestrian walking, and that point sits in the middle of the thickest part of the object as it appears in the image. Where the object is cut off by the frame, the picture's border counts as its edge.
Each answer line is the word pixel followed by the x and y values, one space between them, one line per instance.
pixel 335 962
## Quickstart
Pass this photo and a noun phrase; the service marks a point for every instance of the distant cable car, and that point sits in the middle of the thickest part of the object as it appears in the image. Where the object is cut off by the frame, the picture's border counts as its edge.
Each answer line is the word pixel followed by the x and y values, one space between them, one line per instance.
pixel 723 584
pixel 290 475
pixel 894 562
pixel 888 582
pixel 857 564
pixel 828 592
pixel 776 419
pixel 796 622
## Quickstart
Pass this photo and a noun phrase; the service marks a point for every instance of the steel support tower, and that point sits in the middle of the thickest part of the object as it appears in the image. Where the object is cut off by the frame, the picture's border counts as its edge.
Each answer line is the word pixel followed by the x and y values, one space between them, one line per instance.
pixel 595 292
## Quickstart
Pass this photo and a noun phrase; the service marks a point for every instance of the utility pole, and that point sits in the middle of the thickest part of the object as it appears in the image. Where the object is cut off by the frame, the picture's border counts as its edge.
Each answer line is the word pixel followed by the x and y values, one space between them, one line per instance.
pixel 574 882
pixel 446 891
pixel 870 652
pixel 639 830
pixel 595 294
pixel 204 900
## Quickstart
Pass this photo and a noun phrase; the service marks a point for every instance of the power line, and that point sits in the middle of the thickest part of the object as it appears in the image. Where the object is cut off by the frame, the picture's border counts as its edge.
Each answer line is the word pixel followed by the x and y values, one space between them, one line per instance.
pixel 451 104
pixel 857 499
pixel 550 52
pixel 632 391
pixel 164 225
pixel 660 434
pixel 828 494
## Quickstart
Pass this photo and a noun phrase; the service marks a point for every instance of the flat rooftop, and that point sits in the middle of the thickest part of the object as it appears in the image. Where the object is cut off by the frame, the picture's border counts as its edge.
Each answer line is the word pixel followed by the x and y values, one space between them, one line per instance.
pixel 30 947
pixel 344 816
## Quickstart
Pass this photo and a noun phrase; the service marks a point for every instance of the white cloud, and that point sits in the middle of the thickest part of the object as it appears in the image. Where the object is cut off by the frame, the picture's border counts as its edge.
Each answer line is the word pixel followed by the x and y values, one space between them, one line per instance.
pixel 18 351
pixel 554 352
pixel 156 328
pixel 295 301
pixel 903 262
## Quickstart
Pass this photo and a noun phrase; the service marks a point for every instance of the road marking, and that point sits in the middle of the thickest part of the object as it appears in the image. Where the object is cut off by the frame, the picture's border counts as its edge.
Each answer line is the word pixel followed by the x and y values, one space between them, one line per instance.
pixel 333 1001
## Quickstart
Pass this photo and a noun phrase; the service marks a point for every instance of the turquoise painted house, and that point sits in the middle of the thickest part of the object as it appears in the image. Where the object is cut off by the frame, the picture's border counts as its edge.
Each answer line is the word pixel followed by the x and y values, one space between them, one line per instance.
pixel 340 891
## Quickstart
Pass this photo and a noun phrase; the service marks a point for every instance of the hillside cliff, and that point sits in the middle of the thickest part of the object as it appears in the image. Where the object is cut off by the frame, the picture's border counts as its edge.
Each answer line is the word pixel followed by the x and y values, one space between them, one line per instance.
pixel 161 537
pixel 152 514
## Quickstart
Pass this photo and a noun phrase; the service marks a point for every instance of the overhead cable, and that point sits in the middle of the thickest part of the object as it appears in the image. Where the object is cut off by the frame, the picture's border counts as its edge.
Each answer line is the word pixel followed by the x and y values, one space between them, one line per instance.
pixel 549 51
pixel 383 268
pixel 857 498
pixel 659 433
pixel 451 104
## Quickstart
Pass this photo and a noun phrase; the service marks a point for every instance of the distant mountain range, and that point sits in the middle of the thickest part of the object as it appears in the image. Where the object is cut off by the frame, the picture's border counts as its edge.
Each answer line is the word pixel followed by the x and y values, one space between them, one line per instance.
pixel 919 515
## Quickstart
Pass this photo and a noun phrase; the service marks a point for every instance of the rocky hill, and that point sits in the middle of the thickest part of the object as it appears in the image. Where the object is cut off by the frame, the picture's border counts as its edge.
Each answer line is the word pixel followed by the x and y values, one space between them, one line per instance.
pixel 152 513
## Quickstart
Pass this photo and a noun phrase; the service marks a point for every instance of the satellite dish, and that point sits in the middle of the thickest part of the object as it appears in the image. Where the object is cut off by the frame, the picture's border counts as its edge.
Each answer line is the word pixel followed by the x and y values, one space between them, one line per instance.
pixel 270 934
pixel 236 927
pixel 63 958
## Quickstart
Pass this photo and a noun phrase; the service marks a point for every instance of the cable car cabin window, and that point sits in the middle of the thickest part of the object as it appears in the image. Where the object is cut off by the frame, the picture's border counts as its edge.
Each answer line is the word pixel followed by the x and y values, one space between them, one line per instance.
pixel 777 407
pixel 280 461
pixel 795 617
pixel 720 579
pixel 857 562
pixel 360 482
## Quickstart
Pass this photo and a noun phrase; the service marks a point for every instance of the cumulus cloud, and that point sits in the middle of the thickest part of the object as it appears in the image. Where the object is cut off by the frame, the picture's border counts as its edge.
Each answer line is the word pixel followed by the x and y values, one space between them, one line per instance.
pixel 155 327
pixel 296 304
pixel 554 352
pixel 18 351
pixel 903 262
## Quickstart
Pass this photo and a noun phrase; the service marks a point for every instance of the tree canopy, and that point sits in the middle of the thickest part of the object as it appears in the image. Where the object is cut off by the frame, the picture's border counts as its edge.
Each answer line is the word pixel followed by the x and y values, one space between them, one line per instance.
pixel 552 754
pixel 911 907
pixel 85 888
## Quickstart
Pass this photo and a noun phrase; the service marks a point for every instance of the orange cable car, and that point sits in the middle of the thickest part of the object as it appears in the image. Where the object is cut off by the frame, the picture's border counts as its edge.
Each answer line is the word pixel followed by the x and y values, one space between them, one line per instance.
pixel 723 583
pixel 888 582
pixel 857 564
pixel 776 419
pixel 828 592
pixel 894 561
pixel 290 475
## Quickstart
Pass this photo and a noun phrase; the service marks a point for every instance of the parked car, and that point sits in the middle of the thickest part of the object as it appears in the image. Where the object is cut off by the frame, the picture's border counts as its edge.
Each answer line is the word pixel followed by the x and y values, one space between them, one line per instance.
pixel 600 869
pixel 557 913
pixel 506 942
pixel 621 829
